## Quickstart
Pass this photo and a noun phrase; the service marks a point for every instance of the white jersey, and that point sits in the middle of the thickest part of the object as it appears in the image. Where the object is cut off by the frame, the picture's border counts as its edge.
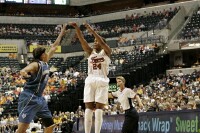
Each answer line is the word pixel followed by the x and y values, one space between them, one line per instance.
pixel 98 64
pixel 96 84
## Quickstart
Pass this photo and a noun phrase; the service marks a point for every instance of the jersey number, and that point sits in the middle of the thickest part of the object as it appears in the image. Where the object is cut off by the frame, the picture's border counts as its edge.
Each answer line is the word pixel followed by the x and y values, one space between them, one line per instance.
pixel 95 66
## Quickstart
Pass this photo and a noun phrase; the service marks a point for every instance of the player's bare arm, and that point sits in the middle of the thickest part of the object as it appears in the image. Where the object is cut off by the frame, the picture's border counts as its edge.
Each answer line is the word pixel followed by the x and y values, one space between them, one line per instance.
pixel 99 39
pixel 31 68
pixel 80 36
pixel 57 41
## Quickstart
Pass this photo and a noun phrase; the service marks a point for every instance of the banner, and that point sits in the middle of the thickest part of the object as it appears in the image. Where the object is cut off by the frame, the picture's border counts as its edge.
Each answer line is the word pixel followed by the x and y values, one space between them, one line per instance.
pixel 170 122
pixel 32 47
pixel 8 48
pixel 112 87
pixel 111 124
pixel 152 122
pixel 190 45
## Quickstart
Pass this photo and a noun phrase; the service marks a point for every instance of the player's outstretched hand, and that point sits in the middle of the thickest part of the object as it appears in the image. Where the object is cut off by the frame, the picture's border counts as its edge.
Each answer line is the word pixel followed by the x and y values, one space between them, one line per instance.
pixel 74 24
pixel 64 29
pixel 88 27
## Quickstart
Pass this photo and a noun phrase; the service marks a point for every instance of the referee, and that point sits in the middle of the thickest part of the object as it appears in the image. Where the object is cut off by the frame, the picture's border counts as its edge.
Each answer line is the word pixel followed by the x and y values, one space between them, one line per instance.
pixel 125 96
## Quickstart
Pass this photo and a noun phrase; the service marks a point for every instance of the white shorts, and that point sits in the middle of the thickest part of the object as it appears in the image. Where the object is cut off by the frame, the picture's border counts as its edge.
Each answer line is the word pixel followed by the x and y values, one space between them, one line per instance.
pixel 96 89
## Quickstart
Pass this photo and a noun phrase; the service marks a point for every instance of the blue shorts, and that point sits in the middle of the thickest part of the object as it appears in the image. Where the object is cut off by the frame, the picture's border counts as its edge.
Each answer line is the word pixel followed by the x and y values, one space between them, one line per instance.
pixel 30 106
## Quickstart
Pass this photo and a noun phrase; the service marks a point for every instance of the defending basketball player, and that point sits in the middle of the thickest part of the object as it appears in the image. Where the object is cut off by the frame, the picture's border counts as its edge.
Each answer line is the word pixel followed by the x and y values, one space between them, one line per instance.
pixel 31 102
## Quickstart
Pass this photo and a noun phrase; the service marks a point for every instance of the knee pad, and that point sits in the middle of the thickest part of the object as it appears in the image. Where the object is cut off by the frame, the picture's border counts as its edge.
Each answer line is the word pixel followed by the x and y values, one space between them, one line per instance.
pixel 99 115
pixel 47 122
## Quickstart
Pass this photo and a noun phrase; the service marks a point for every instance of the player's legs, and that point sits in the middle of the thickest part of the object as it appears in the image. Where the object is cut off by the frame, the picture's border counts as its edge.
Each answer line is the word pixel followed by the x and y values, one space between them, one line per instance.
pixel 22 127
pixel 49 125
pixel 88 116
pixel 101 98
pixel 46 117
pixel 49 129
pixel 98 117
pixel 95 92
pixel 89 95
pixel 90 105
pixel 27 108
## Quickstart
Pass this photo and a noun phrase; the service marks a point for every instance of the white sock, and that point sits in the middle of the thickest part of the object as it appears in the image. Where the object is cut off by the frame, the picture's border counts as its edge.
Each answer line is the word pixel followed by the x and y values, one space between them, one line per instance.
pixel 88 120
pixel 98 120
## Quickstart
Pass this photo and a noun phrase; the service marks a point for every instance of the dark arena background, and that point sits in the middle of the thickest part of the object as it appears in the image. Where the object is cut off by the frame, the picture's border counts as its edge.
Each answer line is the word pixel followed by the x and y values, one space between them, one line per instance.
pixel 155 46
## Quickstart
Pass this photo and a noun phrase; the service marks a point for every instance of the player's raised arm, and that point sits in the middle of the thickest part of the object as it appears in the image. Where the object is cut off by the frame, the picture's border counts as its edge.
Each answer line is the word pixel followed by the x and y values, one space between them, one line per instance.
pixel 57 41
pixel 99 39
pixel 83 42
